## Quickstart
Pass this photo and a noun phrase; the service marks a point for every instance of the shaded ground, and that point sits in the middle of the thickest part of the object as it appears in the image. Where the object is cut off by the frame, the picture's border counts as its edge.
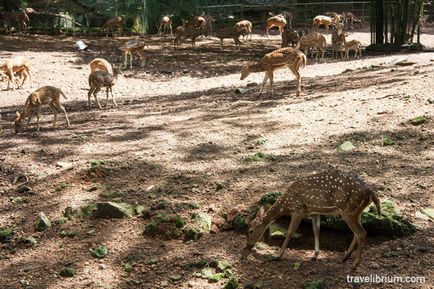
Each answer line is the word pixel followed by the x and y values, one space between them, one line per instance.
pixel 180 128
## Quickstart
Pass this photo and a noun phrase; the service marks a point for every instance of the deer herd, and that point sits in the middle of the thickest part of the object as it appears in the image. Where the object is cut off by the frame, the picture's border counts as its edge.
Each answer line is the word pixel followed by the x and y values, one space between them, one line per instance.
pixel 328 193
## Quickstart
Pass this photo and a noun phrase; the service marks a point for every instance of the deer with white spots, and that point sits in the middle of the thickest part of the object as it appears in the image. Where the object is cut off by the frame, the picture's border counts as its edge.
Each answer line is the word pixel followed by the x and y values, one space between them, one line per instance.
pixel 327 193
pixel 280 58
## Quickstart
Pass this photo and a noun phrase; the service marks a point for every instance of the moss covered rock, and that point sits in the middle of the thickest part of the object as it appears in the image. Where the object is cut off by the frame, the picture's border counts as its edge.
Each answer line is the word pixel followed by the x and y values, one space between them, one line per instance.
pixel 391 223
pixel 42 222
pixel 109 210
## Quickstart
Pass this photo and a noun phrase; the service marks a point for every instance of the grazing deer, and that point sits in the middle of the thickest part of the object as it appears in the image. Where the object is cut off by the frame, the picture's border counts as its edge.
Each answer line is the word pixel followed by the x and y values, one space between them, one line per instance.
pixel 230 32
pixel 100 64
pixel 113 22
pixel 324 20
pixel 20 17
pixel 290 36
pixel 276 21
pixel 355 45
pixel 245 24
pixel 197 22
pixel 315 41
pixel 290 57
pixel 46 95
pixel 100 79
pixel 335 15
pixel 165 25
pixel 350 17
pixel 326 193
pixel 17 65
pixel 184 31
pixel 133 47
pixel 338 39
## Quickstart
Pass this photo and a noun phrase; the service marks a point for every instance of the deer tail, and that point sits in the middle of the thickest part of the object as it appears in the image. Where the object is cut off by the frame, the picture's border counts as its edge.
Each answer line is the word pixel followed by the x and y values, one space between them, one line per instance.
pixel 61 92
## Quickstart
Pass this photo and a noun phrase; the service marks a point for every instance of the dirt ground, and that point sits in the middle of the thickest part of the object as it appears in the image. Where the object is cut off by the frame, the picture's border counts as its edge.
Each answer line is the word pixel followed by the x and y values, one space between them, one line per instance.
pixel 181 124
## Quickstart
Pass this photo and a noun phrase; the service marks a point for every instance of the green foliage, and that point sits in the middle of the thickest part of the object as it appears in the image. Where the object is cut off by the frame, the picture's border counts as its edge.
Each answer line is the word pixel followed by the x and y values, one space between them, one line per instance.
pixel 6 235
pixel 99 252
pixel 257 157
pixel 67 272
pixel 269 199
pixel 315 284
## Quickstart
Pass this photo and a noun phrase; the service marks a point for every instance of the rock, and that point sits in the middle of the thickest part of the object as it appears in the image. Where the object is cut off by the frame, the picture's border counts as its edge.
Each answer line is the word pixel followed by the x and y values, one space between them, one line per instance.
pixel 17 200
pixel 109 210
pixel 346 146
pixel 374 265
pixel 99 252
pixel 67 272
pixel 31 241
pixel 6 235
pixel 220 265
pixel 216 277
pixel 139 209
pixel 214 229
pixel 192 234
pixel 70 212
pixel 315 284
pixel 66 233
pixel 230 217
pixel 175 277
pixel 42 222
pixel 232 283
pixel 202 222
pixel 418 120
pixel 390 224
pixel 241 90
pixel 429 212
pixel 405 63
pixel 240 224
pixel 65 165
pixel 87 210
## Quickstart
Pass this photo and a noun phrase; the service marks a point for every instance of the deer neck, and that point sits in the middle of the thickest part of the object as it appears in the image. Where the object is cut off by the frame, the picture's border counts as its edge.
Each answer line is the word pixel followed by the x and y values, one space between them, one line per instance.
pixel 274 213
pixel 257 67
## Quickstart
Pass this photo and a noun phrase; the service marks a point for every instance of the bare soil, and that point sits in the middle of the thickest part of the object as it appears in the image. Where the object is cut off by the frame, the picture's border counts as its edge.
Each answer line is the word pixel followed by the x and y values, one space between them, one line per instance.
pixel 181 127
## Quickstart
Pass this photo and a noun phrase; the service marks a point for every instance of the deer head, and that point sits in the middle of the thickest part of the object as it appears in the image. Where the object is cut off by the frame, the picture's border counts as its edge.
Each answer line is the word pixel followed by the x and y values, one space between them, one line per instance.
pixel 256 229
pixel 245 72
pixel 17 122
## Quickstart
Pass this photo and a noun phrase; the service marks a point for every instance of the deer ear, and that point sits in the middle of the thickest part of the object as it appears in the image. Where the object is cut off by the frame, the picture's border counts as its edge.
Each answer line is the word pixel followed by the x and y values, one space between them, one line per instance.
pixel 261 213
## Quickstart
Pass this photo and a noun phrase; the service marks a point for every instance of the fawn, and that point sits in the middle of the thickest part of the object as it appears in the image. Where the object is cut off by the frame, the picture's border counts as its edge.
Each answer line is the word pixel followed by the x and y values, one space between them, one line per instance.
pixel 327 193
pixel 100 64
pixel 133 47
pixel 111 23
pixel 278 21
pixel 314 40
pixel 338 39
pixel 290 36
pixel 165 25
pixel 230 32
pixel 186 31
pixel 17 65
pixel 291 57
pixel 46 95
pixel 351 18
pixel 100 79
pixel 352 44
pixel 244 24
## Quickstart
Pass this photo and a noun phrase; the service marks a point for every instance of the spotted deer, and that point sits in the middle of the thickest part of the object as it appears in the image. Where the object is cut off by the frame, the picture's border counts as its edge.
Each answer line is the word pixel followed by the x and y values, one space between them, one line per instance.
pixel 230 32
pixel 290 57
pixel 278 21
pixel 245 24
pixel 351 18
pixel 112 23
pixel 288 17
pixel 315 41
pixel 46 95
pixel 99 80
pixel 185 31
pixel 328 193
pixel 17 65
pixel 352 45
pixel 324 20
pixel 133 47
pixel 165 25
pixel 338 39
pixel 20 17
pixel 209 22
pixel 100 64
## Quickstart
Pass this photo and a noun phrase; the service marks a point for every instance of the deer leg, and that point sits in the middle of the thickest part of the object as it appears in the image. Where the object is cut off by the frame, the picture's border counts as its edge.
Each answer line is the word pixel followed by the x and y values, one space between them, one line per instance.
pixel 295 71
pixel 270 74
pixel 295 222
pixel 113 98
pixel 131 60
pixel 107 96
pixel 350 249
pixel 354 223
pixel 55 114
pixel 316 224
pixel 95 92
pixel 264 82
pixel 38 116
pixel 221 44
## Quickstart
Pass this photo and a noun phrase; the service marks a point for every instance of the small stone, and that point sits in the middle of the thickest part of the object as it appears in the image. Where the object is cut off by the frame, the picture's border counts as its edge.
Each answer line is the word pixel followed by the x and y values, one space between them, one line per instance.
pixel 346 146
pixel 42 222
pixel 65 165
pixel 232 214
pixel 374 265
pixel 214 229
